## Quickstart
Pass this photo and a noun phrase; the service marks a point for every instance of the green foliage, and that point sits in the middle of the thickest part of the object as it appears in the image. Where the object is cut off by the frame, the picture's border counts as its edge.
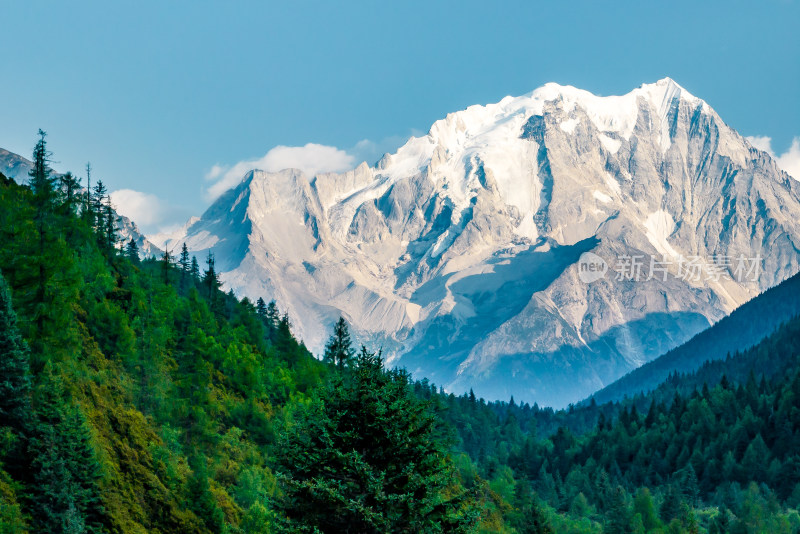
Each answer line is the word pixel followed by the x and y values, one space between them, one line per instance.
pixel 135 396
pixel 339 350
pixel 362 456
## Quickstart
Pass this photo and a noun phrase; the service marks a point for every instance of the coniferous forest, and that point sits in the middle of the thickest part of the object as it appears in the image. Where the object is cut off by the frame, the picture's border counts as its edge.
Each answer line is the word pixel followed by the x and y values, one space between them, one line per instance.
pixel 136 396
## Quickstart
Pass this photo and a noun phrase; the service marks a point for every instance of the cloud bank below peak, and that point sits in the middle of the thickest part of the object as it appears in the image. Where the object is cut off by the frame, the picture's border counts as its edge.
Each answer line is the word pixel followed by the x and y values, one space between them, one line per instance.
pixel 312 159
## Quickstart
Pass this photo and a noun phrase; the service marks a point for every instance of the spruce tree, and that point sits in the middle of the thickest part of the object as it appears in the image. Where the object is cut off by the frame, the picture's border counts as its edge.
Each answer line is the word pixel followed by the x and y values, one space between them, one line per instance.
pixel 110 230
pixel 261 309
pixel 70 189
pixel 364 457
pixel 66 471
pixel 41 182
pixel 210 280
pixel 15 378
pixel 339 350
pixel 99 213
pixel 183 259
pixel 194 269
pixel 15 389
pixel 185 264
pixel 273 315
pixel 132 251
pixel 166 265
pixel 201 500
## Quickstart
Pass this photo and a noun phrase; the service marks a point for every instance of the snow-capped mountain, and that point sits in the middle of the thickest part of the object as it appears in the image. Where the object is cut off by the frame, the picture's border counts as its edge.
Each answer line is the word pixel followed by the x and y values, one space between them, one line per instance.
pixel 459 254
pixel 13 165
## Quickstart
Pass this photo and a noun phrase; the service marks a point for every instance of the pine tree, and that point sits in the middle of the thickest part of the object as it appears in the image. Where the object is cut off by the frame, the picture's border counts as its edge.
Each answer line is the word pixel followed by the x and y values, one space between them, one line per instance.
pixel 618 519
pixel 166 265
pixel 15 389
pixel 110 230
pixel 210 280
pixel 87 213
pixel 644 507
pixel 273 315
pixel 70 189
pixel 339 350
pixel 66 472
pixel 184 260
pixel 185 264
pixel 261 309
pixel 364 458
pixel 41 182
pixel 132 251
pixel 97 202
pixel 201 500
pixel 42 187
pixel 84 469
pixel 99 213
pixel 15 378
pixel 671 505
pixel 194 269
pixel 43 266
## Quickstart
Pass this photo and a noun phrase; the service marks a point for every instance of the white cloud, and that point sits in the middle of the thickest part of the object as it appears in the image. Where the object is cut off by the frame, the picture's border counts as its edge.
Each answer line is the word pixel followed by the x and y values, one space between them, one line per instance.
pixel 144 209
pixel 761 142
pixel 312 159
pixel 789 161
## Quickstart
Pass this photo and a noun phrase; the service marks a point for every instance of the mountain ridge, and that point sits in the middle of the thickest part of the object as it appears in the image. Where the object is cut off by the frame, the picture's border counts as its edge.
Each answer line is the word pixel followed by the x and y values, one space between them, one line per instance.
pixel 430 252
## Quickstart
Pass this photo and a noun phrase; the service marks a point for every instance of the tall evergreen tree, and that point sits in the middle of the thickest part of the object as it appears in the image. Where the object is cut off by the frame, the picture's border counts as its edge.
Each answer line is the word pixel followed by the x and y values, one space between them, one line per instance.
pixel 66 472
pixel 194 269
pixel 184 261
pixel 273 315
pixel 132 251
pixel 339 350
pixel 210 278
pixel 70 189
pixel 15 378
pixel 365 458
pixel 110 230
pixel 41 182
pixel 99 212
pixel 166 265
pixel 261 309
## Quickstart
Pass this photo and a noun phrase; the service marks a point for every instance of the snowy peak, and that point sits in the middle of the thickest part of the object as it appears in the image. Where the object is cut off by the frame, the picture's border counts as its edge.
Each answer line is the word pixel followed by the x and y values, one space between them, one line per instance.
pixel 459 253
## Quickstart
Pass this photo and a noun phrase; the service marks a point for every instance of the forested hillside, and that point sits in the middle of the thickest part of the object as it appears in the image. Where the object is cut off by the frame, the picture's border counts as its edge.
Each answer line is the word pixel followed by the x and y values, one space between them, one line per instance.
pixel 743 328
pixel 137 396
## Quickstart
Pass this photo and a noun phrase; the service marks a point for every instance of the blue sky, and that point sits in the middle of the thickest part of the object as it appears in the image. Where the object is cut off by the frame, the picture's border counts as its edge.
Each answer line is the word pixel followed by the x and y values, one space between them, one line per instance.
pixel 161 95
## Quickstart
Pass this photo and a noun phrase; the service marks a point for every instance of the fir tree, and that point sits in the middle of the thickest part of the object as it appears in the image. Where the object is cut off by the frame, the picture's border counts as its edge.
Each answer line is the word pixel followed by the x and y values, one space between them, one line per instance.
pixel 201 500
pixel 273 315
pixel 166 265
pixel 42 184
pixel 132 251
pixel 15 378
pixel 364 458
pixel 184 261
pixel 110 230
pixel 194 269
pixel 339 350
pixel 210 280
pixel 66 470
pixel 70 188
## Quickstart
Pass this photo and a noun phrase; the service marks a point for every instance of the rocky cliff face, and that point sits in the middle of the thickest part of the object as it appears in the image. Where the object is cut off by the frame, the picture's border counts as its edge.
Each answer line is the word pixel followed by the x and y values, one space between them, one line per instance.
pixel 461 253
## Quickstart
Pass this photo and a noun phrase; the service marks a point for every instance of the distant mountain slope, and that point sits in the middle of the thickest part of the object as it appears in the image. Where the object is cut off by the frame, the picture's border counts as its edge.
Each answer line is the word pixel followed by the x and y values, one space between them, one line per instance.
pixel 459 253
pixel 13 165
pixel 743 328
